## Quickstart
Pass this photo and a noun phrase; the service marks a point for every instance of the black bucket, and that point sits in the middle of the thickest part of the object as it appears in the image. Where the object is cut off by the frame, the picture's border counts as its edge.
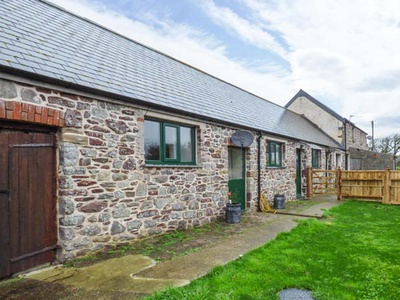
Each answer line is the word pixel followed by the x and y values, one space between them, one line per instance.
pixel 279 201
pixel 233 212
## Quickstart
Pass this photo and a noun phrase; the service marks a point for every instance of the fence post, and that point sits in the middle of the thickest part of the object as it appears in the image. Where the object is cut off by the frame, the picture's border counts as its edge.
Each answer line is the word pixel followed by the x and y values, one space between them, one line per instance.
pixel 309 182
pixel 338 184
pixel 386 196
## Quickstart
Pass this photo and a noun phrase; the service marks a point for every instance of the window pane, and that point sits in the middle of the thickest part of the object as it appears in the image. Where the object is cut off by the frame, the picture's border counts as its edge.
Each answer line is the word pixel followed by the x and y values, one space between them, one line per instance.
pixel 152 140
pixel 171 141
pixel 316 158
pixel 186 144
pixel 313 157
pixel 277 155
pixel 235 163
pixel 273 154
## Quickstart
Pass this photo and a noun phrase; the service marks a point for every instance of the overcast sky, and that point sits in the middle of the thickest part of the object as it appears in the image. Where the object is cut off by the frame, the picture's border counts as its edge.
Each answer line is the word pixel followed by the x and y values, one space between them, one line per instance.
pixel 344 53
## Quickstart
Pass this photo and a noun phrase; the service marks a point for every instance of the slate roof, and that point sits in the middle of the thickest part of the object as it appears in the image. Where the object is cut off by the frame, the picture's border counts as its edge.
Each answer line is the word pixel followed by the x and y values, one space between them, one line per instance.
pixel 42 41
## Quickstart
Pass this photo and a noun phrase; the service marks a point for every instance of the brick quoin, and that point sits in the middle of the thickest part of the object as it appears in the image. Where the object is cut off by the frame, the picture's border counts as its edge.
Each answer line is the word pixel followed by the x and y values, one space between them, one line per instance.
pixel 18 111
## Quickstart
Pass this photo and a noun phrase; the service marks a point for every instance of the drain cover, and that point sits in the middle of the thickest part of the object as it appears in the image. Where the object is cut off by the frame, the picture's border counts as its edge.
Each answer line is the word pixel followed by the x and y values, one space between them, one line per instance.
pixel 295 294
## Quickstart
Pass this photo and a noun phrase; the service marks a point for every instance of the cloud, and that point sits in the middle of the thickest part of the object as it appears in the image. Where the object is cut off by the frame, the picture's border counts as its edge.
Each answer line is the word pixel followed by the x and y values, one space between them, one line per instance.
pixel 381 82
pixel 344 53
pixel 190 45
pixel 244 29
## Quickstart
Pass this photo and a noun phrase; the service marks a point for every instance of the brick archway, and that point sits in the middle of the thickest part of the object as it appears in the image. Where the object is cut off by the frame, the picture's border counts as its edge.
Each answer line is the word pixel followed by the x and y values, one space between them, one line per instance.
pixel 26 112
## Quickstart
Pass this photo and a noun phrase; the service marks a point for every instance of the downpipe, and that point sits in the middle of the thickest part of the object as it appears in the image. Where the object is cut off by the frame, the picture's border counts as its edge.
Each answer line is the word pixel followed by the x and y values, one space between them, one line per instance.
pixel 259 168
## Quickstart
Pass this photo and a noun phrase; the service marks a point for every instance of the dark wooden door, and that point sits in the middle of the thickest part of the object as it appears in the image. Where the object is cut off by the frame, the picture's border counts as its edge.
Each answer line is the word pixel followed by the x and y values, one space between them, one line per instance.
pixel 298 174
pixel 28 234
pixel 237 177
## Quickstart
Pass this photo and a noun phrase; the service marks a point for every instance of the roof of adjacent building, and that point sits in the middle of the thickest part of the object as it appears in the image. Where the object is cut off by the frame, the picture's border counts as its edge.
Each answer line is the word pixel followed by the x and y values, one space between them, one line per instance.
pixel 42 41
pixel 330 111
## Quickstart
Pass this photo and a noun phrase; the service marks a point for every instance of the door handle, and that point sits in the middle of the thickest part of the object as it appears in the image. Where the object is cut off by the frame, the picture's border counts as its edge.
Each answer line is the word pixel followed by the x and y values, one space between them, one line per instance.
pixel 4 192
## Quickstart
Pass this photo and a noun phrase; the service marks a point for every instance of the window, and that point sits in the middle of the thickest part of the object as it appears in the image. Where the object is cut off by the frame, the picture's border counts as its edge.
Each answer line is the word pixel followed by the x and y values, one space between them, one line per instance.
pixel 338 160
pixel 275 157
pixel 168 143
pixel 316 158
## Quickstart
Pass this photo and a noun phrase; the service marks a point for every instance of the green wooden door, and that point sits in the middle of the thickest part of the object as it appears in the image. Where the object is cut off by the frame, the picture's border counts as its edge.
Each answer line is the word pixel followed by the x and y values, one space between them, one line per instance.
pixel 298 173
pixel 237 180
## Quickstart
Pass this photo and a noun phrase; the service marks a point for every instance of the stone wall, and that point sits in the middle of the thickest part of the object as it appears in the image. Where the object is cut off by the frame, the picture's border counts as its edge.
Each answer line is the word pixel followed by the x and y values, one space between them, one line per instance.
pixel 106 192
pixel 279 180
pixel 283 179
pixel 356 138
pixel 328 123
pixel 369 160
pixel 332 126
pixel 26 111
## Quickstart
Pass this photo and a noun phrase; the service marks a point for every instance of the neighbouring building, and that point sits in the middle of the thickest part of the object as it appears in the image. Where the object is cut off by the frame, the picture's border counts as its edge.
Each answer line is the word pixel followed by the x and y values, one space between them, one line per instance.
pixel 339 128
pixel 105 140
pixel 371 160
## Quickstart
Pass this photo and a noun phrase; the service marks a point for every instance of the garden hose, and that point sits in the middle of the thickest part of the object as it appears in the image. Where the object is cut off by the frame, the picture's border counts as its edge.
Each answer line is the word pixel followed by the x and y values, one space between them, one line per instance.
pixel 264 205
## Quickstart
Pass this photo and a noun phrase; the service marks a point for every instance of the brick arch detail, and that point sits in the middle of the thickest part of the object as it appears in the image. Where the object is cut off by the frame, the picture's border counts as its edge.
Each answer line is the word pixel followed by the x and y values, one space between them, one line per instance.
pixel 26 112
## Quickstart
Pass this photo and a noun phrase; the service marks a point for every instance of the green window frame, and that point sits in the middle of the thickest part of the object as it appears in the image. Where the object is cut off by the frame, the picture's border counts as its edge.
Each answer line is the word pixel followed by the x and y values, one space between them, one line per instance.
pixel 275 154
pixel 316 158
pixel 169 143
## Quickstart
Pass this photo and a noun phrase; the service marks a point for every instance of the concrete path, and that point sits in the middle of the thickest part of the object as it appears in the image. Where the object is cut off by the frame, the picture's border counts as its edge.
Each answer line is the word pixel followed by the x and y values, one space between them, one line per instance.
pixel 199 263
pixel 141 275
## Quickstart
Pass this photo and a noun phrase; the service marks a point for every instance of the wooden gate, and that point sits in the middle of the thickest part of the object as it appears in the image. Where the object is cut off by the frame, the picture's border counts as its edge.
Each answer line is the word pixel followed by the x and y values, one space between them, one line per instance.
pixel 28 234
pixel 322 182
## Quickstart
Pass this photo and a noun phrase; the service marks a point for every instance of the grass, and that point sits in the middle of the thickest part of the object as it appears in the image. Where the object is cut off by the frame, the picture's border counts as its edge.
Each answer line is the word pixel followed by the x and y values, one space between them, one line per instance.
pixel 351 254
pixel 77 261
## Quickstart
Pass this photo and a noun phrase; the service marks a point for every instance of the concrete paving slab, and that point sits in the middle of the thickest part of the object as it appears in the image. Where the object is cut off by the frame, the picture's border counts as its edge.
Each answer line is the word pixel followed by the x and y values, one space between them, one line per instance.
pixel 199 263
pixel 115 274
pixel 319 209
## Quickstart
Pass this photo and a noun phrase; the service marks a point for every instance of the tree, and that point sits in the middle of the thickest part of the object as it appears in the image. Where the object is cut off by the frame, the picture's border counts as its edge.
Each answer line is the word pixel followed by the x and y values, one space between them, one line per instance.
pixel 388 144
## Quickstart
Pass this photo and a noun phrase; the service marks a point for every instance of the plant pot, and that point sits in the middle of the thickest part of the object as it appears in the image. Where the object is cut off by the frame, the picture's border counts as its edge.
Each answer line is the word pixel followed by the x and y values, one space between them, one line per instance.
pixel 279 201
pixel 233 212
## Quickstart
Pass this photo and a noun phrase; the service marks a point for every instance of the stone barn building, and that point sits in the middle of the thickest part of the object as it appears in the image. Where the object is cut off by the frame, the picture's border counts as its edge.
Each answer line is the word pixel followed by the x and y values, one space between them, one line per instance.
pixel 337 127
pixel 105 140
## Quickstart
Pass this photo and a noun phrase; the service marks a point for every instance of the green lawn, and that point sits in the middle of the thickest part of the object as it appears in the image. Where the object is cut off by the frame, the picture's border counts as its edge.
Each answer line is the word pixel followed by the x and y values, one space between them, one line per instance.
pixel 354 253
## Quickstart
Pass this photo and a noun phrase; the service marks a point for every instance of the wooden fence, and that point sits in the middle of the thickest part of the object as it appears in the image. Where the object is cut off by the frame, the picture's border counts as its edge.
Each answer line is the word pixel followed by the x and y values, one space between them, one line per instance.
pixel 381 186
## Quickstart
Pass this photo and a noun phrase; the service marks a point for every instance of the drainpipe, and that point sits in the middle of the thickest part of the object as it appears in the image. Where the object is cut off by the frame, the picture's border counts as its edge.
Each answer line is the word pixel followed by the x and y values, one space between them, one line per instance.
pixel 259 167
pixel 346 154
